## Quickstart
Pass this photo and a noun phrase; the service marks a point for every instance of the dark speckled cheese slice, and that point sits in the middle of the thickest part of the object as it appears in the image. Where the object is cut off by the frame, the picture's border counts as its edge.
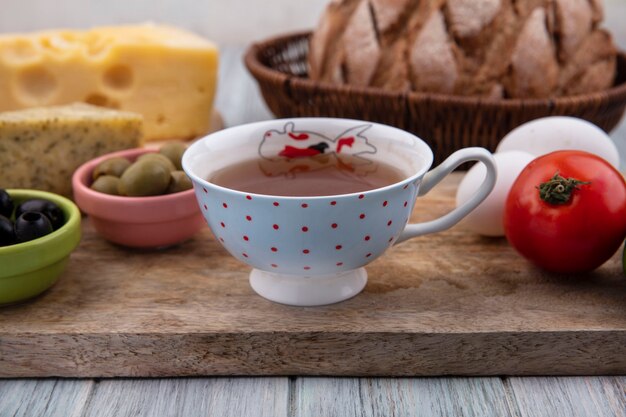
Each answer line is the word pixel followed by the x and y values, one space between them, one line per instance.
pixel 41 147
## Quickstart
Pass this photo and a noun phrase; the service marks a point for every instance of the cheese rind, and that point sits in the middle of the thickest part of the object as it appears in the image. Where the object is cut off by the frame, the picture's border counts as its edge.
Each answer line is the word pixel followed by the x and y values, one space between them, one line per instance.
pixel 40 148
pixel 166 74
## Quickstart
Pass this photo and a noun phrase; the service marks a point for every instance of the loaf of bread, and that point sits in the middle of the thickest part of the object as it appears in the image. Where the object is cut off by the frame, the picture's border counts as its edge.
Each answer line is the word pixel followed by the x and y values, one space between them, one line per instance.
pixel 490 48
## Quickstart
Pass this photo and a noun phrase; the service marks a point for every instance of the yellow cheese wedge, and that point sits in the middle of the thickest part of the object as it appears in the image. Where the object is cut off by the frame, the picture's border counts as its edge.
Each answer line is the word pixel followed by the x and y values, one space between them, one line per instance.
pixel 40 148
pixel 164 73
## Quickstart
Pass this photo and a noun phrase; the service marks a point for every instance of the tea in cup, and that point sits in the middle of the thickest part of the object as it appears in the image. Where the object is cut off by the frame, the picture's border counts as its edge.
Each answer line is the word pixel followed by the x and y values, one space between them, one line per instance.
pixel 308 202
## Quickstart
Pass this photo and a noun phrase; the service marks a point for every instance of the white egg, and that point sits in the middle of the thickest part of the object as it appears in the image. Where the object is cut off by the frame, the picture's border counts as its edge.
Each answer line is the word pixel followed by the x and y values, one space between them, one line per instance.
pixel 486 219
pixel 556 133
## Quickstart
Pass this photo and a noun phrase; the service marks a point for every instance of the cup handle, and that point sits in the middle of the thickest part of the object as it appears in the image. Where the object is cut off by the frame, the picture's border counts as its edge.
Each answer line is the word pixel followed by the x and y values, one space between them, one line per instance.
pixel 434 176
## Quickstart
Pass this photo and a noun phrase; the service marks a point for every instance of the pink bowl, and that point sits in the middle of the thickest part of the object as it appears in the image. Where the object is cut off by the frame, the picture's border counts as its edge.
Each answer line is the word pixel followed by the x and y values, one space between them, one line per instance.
pixel 142 222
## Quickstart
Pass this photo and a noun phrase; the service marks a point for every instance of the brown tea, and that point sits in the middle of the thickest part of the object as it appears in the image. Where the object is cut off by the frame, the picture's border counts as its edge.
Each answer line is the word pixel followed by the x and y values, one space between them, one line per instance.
pixel 307 177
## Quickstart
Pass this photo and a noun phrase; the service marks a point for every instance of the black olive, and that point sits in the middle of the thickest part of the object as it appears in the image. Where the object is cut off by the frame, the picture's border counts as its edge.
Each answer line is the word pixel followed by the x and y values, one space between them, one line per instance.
pixel 6 204
pixel 45 207
pixel 31 225
pixel 7 235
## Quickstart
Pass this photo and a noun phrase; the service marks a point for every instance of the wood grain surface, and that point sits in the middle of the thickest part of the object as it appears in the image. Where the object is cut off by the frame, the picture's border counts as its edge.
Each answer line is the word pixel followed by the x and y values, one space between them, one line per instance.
pixel 44 397
pixel 573 396
pixel 187 397
pixel 451 303
pixel 480 397
pixel 314 396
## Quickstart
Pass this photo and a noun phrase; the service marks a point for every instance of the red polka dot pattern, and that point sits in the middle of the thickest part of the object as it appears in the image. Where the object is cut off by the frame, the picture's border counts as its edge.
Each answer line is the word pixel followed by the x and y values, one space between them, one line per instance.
pixel 348 214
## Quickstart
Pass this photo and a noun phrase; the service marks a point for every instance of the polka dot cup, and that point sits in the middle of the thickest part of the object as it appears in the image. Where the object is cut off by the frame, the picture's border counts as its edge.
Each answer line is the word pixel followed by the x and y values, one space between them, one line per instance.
pixel 311 250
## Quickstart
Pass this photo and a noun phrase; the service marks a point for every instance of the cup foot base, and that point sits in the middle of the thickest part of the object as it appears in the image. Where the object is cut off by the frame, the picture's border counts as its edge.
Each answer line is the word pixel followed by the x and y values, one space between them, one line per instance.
pixel 308 291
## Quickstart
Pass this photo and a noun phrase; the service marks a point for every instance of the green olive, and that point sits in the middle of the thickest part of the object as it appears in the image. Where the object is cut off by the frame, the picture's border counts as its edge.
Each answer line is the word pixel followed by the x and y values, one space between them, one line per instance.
pixel 174 152
pixel 144 178
pixel 179 182
pixel 159 158
pixel 106 184
pixel 112 166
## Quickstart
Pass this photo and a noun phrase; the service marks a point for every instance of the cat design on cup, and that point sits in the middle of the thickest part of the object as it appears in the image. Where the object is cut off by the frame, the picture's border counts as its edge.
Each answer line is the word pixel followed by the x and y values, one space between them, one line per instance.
pixel 289 151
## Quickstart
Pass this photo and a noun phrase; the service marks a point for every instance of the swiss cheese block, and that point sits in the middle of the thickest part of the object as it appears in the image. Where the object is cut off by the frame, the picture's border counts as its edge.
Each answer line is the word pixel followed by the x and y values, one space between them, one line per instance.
pixel 40 148
pixel 166 74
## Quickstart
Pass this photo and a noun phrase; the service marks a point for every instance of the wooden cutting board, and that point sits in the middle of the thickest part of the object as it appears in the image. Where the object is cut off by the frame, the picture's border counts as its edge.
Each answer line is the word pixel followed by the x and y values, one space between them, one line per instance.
pixel 451 303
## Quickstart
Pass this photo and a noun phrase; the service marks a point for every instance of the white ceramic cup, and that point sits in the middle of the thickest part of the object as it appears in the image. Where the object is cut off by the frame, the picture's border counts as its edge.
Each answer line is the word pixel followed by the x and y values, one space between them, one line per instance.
pixel 309 251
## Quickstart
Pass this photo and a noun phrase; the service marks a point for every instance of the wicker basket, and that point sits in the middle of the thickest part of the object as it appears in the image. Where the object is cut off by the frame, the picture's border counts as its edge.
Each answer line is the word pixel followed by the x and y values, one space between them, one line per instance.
pixel 446 122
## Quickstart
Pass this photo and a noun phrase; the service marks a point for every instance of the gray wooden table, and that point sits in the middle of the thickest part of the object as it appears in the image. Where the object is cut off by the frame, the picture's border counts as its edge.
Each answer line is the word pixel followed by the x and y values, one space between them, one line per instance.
pixel 239 102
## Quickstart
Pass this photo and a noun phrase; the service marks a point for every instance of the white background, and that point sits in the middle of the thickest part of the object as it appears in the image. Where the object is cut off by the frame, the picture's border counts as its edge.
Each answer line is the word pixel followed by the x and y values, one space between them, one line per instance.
pixel 228 22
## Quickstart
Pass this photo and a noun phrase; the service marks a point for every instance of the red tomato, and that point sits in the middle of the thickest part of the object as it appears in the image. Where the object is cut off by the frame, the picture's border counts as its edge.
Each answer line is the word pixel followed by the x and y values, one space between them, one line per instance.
pixel 573 226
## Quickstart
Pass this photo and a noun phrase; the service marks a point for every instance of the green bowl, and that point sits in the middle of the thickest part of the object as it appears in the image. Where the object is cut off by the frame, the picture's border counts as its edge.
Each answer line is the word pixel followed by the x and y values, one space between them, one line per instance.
pixel 28 269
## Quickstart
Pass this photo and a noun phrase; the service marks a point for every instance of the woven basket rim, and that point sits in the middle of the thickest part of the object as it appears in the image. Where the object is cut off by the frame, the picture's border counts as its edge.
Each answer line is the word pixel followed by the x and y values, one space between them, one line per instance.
pixel 264 72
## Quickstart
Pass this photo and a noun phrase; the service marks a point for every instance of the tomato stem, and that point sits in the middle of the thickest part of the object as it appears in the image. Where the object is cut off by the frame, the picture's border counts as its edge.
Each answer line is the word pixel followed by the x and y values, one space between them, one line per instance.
pixel 558 190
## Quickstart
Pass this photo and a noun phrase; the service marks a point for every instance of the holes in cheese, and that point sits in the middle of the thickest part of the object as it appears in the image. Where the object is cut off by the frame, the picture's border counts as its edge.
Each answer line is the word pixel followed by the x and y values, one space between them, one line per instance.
pixel 99 99
pixel 20 52
pixel 118 77
pixel 96 47
pixel 36 85
pixel 149 69
pixel 56 45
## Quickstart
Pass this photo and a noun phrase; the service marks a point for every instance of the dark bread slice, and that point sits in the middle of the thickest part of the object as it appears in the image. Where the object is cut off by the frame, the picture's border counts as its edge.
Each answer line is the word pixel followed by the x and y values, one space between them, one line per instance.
pixel 574 20
pixel 324 44
pixel 534 70
pixel 582 73
pixel 361 49
pixel 432 61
